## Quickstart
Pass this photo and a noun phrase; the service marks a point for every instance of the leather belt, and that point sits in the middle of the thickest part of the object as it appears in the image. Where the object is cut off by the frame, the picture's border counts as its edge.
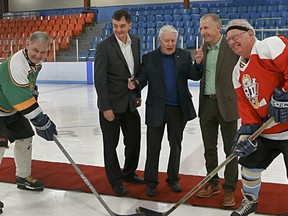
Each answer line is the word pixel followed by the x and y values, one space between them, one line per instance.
pixel 212 97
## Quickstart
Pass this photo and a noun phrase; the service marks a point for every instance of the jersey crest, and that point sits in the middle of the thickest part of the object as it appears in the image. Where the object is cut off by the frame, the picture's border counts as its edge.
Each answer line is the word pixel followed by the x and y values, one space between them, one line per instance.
pixel 251 88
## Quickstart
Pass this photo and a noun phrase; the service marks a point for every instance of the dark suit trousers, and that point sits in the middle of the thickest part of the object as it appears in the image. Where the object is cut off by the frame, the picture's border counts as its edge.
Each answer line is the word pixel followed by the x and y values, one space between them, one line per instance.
pixel 175 126
pixel 129 123
pixel 210 120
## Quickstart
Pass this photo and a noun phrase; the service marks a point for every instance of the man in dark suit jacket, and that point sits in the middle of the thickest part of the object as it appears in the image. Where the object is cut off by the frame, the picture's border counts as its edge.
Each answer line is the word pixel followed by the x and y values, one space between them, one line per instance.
pixel 166 70
pixel 217 105
pixel 118 58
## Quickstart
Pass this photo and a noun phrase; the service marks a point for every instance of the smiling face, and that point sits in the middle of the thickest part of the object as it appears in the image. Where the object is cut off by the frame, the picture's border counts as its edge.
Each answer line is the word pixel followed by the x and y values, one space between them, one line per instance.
pixel 121 28
pixel 168 41
pixel 241 42
pixel 210 30
pixel 37 51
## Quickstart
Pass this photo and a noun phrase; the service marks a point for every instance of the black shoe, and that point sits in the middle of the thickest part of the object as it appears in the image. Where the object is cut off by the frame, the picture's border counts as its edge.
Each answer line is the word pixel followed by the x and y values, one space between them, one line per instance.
pixel 1 207
pixel 151 191
pixel 248 206
pixel 135 179
pixel 120 190
pixel 29 183
pixel 175 187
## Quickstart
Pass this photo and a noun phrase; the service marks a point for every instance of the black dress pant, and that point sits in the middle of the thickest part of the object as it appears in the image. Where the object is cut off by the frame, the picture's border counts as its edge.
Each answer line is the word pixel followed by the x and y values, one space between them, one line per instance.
pixel 175 125
pixel 129 123
pixel 210 121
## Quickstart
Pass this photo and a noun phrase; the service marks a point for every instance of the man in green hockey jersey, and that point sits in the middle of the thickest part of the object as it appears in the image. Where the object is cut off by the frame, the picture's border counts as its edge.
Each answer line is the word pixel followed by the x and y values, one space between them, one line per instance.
pixel 18 106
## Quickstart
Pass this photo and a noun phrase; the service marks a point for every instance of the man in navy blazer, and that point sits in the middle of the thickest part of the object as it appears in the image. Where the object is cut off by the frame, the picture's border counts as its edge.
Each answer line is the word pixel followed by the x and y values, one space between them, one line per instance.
pixel 166 72
pixel 117 58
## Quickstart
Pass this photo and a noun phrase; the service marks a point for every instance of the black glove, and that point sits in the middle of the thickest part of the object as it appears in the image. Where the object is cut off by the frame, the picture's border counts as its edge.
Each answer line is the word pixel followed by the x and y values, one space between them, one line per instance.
pixel 45 128
pixel 35 92
pixel 242 147
pixel 278 106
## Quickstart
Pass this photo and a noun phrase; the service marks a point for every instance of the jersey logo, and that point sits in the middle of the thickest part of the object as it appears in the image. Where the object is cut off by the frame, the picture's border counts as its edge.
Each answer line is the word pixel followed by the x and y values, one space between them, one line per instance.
pixel 251 88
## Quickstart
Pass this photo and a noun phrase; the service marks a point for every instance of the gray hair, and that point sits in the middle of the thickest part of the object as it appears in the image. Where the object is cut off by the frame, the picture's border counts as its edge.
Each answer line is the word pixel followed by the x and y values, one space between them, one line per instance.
pixel 41 37
pixel 215 18
pixel 169 29
pixel 241 22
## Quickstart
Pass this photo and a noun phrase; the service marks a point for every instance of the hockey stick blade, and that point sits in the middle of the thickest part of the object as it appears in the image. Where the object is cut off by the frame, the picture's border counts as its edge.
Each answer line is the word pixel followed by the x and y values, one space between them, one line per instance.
pixel 149 212
pixel 87 182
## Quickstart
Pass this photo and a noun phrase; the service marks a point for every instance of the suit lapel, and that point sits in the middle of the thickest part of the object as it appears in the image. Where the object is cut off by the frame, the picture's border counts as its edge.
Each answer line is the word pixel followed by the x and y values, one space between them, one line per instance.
pixel 115 44
pixel 221 55
pixel 177 60
pixel 135 53
pixel 158 62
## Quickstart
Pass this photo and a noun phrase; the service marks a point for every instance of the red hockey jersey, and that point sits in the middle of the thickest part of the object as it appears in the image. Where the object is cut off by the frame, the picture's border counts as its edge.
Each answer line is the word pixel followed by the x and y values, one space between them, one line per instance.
pixel 256 79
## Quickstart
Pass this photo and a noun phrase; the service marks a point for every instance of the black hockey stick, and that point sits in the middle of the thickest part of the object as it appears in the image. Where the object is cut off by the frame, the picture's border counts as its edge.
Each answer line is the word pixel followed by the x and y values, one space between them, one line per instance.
pixel 149 212
pixel 88 182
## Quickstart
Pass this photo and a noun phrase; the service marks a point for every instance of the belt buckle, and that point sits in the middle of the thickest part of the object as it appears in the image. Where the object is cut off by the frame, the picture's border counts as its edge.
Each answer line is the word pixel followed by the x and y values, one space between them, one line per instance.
pixel 212 97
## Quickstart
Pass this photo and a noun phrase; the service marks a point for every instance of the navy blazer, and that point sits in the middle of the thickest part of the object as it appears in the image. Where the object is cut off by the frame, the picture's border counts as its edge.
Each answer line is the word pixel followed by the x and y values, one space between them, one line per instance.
pixel 153 74
pixel 111 75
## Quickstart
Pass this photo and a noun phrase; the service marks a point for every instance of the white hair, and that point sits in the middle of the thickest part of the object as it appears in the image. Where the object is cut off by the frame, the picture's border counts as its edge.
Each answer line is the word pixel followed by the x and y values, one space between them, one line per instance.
pixel 167 28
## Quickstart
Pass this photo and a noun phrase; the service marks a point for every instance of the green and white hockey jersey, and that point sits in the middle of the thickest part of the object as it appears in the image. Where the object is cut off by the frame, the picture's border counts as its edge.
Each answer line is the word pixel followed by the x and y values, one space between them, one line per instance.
pixel 17 82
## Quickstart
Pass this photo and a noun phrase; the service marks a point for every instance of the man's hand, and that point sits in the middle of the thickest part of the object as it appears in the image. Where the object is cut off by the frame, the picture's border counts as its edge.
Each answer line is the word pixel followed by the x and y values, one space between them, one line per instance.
pixel 198 54
pixel 131 84
pixel 109 115
pixel 138 102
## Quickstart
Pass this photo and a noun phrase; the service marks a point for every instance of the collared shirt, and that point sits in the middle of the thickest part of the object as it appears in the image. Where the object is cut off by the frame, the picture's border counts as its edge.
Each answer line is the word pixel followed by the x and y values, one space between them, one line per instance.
pixel 127 52
pixel 211 64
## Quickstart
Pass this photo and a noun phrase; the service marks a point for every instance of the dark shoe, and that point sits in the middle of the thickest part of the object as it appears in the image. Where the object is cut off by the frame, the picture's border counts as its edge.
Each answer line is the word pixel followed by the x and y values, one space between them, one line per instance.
pixel 120 190
pixel 208 191
pixel 1 207
pixel 175 187
pixel 135 179
pixel 248 206
pixel 228 200
pixel 151 191
pixel 29 183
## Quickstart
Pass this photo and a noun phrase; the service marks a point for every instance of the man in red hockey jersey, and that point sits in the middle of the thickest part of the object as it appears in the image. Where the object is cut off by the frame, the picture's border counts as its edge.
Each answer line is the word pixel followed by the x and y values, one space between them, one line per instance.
pixel 260 79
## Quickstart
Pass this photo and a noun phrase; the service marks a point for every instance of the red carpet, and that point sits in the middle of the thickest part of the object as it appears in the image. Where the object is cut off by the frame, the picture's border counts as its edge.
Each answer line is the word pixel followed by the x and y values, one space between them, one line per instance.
pixel 273 197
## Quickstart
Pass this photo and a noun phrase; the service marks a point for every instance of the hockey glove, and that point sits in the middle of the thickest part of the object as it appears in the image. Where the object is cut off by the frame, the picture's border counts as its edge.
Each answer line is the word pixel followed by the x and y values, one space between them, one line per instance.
pixel 242 147
pixel 45 128
pixel 278 106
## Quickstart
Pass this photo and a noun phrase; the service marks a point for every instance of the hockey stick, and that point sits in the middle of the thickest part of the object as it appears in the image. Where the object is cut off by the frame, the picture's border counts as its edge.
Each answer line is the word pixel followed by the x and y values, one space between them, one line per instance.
pixel 149 212
pixel 111 213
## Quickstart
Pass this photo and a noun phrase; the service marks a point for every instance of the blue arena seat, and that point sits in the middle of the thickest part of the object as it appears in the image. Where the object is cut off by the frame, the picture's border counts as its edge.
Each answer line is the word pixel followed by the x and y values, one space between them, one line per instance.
pixel 151 31
pixel 254 15
pixel 234 15
pixel 168 17
pixel 185 11
pixel 83 56
pixel 276 14
pixel 224 15
pixel 222 9
pixel 177 17
pixel 195 10
pixel 186 17
pixel 282 8
pixel 272 8
pixel 133 31
pixel 151 25
pixel 178 24
pixel 160 24
pixel 150 18
pixel 159 17
pixel 252 8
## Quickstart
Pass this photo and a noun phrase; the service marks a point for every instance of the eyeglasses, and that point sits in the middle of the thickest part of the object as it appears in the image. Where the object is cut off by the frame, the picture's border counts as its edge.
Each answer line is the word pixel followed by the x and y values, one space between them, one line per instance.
pixel 235 37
